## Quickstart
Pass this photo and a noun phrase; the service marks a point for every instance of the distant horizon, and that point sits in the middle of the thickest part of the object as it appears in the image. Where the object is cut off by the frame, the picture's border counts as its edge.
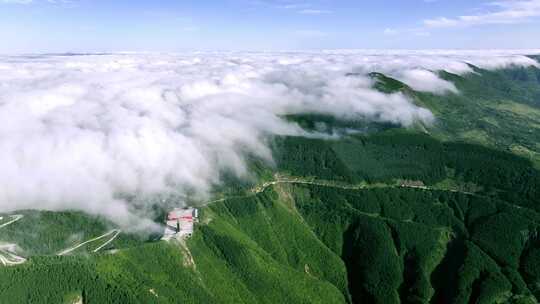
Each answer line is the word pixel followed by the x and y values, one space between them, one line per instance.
pixel 397 51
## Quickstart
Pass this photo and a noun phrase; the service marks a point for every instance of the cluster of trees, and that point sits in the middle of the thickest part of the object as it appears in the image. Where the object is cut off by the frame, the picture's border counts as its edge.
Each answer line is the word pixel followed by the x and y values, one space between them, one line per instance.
pixel 411 156
pixel 485 247
pixel 47 232
pixel 498 108
pixel 53 279
pixel 251 250
pixel 418 246
pixel 44 233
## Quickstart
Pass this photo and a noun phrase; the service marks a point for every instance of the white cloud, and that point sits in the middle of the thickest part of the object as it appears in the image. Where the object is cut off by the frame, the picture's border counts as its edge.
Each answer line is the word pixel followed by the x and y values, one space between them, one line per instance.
pixel 32 1
pixel 16 1
pixel 426 81
pixel 406 31
pixel 504 12
pixel 311 33
pixel 303 8
pixel 61 1
pixel 390 31
pixel 79 130
pixel 293 5
pixel 315 12
pixel 190 29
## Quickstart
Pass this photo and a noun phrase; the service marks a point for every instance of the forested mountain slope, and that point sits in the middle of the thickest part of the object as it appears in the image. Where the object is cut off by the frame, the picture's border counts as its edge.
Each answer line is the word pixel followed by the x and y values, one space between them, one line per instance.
pixel 499 108
pixel 447 213
pixel 339 231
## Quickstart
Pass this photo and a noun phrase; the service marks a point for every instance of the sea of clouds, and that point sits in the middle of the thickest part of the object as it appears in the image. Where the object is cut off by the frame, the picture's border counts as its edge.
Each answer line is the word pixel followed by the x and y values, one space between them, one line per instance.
pixel 77 130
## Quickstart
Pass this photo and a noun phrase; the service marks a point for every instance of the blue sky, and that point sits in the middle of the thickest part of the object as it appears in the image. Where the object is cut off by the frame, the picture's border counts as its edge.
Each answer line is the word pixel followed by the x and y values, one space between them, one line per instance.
pixel 35 26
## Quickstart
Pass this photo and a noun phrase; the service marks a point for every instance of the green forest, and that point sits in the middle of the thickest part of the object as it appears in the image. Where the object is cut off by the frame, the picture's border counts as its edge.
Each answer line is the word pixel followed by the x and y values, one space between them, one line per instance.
pixel 448 213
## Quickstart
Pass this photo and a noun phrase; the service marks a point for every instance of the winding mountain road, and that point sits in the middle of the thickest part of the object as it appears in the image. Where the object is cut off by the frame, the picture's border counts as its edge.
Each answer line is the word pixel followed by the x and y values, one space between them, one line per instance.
pixel 114 233
pixel 14 218
pixel 7 251
pixel 299 181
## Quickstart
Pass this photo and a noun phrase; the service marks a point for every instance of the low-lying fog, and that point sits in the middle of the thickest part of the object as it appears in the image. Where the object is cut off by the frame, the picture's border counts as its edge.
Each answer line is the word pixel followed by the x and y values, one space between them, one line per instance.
pixel 77 130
